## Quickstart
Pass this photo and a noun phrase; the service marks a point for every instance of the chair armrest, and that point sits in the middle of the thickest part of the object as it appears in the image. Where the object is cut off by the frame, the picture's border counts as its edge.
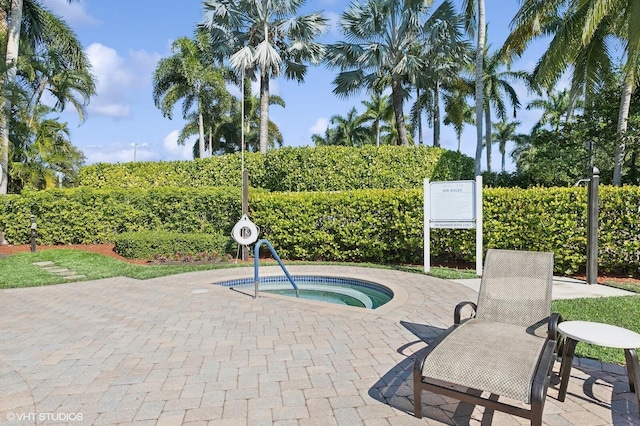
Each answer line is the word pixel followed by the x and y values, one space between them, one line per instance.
pixel 552 331
pixel 458 311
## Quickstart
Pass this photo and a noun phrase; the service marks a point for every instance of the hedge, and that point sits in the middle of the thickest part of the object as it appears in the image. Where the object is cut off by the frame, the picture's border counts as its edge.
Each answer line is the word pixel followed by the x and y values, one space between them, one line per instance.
pixel 331 168
pixel 149 244
pixel 383 226
pixel 91 216
pixel 386 226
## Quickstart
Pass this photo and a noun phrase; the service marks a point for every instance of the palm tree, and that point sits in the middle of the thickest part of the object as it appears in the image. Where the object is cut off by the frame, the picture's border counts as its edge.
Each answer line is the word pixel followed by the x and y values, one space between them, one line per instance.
pixel 378 112
pixel 267 37
pixel 324 140
pixel 350 130
pixel 504 132
pixel 48 71
pixel 458 112
pixel 190 76
pixel 556 109
pixel 445 53
pixel 380 51
pixel 224 132
pixel 581 33
pixel 390 134
pixel 496 86
pixel 29 22
pixel 42 151
pixel 475 21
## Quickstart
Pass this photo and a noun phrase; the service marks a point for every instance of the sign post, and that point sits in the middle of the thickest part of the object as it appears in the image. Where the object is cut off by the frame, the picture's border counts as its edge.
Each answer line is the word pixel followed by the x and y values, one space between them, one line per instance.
pixel 453 205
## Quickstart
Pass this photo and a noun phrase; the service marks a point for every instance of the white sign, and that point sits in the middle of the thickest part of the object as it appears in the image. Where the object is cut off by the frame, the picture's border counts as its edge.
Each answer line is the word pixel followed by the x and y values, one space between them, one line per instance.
pixel 453 205
pixel 452 201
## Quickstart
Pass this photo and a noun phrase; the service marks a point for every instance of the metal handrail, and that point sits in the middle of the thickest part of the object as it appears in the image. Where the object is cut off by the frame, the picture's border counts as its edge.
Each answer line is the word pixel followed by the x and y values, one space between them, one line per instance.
pixel 256 258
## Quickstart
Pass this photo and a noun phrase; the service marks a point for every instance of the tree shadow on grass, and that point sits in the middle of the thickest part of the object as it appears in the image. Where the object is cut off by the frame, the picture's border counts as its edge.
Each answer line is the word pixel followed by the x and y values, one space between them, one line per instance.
pixel 395 388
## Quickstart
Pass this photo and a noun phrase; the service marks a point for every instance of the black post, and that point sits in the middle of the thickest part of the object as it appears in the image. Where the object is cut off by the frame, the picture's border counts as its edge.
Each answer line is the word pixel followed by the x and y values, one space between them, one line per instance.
pixel 592 227
pixel 245 207
pixel 33 234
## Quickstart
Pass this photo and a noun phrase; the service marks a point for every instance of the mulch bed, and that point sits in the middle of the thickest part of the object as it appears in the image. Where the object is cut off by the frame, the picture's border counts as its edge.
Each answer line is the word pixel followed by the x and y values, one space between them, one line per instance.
pixel 105 249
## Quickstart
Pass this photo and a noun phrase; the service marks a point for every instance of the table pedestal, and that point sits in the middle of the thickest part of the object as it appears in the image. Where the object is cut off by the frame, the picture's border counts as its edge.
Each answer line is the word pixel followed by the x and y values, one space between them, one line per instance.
pixel 574 334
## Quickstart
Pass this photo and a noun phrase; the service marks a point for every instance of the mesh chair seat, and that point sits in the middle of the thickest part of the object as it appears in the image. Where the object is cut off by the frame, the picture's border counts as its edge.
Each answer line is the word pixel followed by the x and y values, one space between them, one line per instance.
pixel 481 361
pixel 503 349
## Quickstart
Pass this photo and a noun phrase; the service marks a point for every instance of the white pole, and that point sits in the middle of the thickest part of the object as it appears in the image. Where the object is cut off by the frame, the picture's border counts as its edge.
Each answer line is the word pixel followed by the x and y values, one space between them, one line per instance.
pixel 242 121
pixel 478 192
pixel 427 228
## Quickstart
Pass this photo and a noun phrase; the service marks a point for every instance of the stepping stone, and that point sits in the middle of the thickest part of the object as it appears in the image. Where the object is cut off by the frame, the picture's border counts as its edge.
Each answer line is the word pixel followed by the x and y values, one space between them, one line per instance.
pixel 42 264
pixel 74 277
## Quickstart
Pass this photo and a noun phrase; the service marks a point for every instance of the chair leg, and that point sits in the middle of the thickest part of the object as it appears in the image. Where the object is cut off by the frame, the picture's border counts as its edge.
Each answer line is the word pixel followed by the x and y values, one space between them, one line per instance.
pixel 417 390
pixel 633 373
pixel 565 368
pixel 417 401
pixel 537 407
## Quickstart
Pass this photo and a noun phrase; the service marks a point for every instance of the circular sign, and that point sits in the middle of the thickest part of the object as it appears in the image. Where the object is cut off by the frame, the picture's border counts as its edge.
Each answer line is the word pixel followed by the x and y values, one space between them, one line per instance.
pixel 245 232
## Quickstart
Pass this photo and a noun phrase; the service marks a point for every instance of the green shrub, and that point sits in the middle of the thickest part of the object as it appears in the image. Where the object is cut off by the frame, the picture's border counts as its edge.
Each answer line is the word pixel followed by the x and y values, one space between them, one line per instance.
pixel 149 244
pixel 384 226
pixel 217 171
pixel 300 169
pixel 92 216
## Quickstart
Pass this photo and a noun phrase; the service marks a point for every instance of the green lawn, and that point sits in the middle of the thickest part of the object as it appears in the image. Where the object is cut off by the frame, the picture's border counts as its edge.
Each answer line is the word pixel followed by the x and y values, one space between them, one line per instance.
pixel 18 271
pixel 620 311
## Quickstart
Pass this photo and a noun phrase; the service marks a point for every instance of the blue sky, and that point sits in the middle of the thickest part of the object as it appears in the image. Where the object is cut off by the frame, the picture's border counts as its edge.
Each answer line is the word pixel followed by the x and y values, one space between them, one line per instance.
pixel 125 40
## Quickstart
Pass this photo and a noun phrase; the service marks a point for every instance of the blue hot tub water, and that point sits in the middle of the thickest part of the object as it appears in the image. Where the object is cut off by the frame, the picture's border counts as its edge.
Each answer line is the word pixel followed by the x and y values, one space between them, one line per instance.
pixel 341 291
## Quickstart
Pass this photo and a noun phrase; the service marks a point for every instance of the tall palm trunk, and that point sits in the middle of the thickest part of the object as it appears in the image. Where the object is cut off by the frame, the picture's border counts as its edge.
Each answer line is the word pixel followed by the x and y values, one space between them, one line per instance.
pixel 623 116
pixel 396 99
pixel 420 138
pixel 487 135
pixel 11 59
pixel 479 85
pixel 436 114
pixel 201 131
pixel 376 125
pixel 264 110
pixel 210 142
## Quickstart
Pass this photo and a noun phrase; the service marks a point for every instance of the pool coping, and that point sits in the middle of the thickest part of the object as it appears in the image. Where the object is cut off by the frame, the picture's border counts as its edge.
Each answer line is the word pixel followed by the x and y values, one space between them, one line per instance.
pixel 399 298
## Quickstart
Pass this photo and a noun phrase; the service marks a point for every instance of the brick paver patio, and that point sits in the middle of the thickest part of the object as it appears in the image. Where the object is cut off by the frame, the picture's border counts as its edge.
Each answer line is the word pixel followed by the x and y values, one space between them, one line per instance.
pixel 123 351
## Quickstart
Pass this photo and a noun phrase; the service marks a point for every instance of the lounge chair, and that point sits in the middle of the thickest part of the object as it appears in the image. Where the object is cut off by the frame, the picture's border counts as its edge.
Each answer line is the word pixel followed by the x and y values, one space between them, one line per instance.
pixel 507 346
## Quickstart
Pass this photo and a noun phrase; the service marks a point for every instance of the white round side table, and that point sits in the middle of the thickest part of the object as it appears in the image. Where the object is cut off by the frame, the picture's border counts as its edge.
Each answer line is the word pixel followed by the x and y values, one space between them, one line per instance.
pixel 599 334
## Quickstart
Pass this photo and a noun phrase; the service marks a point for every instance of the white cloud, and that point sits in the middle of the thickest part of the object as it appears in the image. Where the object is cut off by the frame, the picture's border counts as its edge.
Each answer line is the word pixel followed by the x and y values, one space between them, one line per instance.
pixel 175 151
pixel 112 81
pixel 319 126
pixel 118 78
pixel 109 110
pixel 119 152
pixel 74 13
pixel 144 65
